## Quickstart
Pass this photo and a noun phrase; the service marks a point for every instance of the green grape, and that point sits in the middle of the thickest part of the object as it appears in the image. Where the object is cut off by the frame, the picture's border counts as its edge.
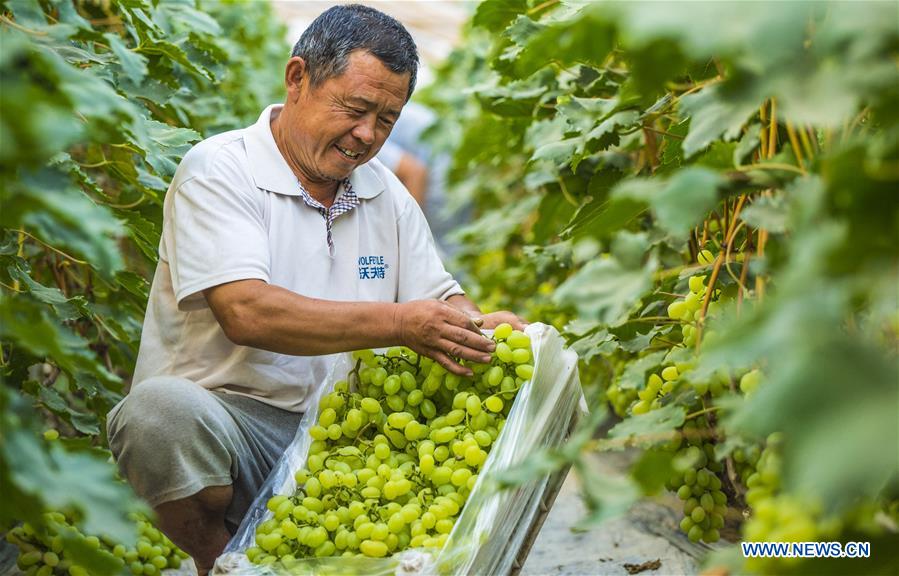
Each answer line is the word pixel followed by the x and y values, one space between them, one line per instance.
pixel 408 381
pixel 378 377
pixel 519 340
pixel 524 371
pixel 670 373
pixel 373 548
pixel 705 257
pixel 473 404
pixel 370 405
pixel 502 331
pixel 392 385
pixel 503 352
pixel 521 355
pixel 697 284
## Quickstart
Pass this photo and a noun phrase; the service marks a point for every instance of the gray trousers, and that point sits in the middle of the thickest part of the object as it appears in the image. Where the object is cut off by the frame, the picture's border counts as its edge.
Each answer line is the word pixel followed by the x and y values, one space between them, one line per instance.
pixel 172 438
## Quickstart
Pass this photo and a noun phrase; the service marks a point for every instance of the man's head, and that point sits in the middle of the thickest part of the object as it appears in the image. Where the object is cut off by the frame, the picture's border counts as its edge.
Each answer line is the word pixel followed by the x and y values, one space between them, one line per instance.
pixel 351 73
pixel 339 31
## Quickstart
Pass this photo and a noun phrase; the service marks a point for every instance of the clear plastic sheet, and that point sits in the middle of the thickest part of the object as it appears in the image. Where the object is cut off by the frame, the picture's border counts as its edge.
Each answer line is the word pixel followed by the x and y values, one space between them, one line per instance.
pixel 494 523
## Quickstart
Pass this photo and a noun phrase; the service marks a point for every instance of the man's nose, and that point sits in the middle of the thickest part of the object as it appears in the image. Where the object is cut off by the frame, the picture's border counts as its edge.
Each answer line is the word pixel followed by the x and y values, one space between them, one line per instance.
pixel 364 130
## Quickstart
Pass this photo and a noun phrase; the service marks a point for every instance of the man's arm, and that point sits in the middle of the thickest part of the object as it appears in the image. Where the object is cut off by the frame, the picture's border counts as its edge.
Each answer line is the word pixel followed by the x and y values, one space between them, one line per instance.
pixel 254 313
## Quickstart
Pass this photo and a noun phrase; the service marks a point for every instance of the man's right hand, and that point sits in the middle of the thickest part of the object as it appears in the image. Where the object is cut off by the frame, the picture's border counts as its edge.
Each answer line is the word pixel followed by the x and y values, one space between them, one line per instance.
pixel 441 332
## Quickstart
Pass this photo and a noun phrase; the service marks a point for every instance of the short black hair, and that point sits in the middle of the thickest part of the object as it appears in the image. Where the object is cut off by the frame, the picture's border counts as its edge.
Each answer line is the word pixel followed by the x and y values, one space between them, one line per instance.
pixel 337 32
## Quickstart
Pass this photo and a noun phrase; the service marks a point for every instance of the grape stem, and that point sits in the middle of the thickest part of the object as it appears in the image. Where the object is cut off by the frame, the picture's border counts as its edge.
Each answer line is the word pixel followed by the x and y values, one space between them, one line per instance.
pixel 716 269
pixel 701 412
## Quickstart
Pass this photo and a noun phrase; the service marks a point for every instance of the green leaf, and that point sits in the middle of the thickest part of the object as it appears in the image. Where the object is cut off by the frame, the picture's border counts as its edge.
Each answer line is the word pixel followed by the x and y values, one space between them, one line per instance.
pixel 34 472
pixel 682 202
pixel 134 65
pixel 634 375
pixel 163 145
pixel 494 15
pixel 65 308
pixel 651 429
pixel 713 115
pixel 60 215
pixel 767 212
pixel 568 39
pixel 604 290
pixel 652 470
pixel 601 218
pixel 27 325
pixel 597 343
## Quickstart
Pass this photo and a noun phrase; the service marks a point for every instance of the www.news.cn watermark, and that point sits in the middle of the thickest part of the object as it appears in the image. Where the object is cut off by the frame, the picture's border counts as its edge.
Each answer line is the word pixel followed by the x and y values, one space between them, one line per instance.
pixel 806 549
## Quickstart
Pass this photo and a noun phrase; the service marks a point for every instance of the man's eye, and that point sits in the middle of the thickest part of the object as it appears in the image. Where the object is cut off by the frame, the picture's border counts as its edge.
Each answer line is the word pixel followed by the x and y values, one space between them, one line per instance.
pixel 386 121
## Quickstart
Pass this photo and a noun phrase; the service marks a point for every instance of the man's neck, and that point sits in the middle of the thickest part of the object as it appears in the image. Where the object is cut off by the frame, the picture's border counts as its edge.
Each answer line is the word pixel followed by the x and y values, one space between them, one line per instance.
pixel 324 193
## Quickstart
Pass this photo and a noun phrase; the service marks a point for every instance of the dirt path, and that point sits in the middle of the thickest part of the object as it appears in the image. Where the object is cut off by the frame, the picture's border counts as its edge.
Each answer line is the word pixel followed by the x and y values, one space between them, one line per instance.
pixel 646 540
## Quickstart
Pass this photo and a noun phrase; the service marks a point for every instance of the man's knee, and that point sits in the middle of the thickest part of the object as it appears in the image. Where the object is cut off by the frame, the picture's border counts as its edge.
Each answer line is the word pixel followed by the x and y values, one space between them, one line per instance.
pixel 158 410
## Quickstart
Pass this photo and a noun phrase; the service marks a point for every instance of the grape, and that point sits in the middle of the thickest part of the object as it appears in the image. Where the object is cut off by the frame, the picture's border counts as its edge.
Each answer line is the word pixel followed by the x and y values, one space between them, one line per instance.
pixel 524 371
pixel 494 404
pixel 519 339
pixel 705 257
pixel 697 284
pixel 502 331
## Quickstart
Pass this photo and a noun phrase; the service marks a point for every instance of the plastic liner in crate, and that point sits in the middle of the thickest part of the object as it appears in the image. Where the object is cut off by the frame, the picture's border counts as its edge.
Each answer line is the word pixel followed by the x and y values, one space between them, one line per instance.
pixel 493 525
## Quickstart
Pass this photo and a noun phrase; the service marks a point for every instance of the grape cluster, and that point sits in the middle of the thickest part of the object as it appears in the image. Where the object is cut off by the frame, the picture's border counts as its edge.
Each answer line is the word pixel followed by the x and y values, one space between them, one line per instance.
pixel 689 308
pixel 695 475
pixel 394 457
pixel 765 480
pixel 620 399
pixel 745 461
pixel 41 552
pixel 695 480
pixel 656 387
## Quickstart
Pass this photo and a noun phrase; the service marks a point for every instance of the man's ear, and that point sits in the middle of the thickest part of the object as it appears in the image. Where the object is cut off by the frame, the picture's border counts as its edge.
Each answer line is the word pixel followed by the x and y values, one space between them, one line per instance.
pixel 295 77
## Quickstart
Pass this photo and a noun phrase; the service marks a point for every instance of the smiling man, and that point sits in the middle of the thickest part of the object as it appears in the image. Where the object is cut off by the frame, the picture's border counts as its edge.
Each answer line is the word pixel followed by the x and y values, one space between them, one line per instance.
pixel 282 244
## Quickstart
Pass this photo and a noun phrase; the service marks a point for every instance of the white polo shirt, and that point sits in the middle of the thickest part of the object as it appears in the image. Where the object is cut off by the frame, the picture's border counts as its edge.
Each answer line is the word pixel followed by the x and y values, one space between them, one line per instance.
pixel 235 211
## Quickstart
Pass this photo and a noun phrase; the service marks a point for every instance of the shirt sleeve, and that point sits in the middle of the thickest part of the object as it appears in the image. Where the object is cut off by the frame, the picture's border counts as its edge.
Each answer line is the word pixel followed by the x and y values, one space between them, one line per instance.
pixel 423 275
pixel 214 233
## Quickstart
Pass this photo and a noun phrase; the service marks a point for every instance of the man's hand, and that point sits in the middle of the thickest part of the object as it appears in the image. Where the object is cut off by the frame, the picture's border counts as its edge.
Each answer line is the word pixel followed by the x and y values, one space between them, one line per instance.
pixel 441 331
pixel 494 319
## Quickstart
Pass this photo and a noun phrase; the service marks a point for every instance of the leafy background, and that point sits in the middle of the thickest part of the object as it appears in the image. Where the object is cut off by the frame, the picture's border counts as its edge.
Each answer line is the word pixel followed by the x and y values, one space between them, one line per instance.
pixel 606 145
pixel 100 100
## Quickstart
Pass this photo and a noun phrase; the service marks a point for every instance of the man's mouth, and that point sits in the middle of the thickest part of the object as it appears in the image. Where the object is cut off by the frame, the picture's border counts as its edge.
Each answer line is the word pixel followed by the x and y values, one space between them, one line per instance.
pixel 348 153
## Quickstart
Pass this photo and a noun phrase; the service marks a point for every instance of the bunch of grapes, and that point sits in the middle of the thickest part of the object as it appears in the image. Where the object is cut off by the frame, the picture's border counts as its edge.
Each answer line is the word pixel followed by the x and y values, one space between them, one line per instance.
pixel 657 386
pixel 620 399
pixel 696 481
pixel 41 552
pixel 695 477
pixel 765 480
pixel 745 461
pixel 689 309
pixel 394 457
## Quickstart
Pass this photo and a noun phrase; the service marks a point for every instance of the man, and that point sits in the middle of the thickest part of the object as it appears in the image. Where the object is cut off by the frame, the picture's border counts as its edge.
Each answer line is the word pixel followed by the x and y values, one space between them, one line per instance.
pixel 282 245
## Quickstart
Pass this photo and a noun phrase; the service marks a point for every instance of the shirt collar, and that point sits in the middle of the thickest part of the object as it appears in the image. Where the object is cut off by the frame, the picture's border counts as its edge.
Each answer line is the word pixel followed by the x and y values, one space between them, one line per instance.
pixel 271 172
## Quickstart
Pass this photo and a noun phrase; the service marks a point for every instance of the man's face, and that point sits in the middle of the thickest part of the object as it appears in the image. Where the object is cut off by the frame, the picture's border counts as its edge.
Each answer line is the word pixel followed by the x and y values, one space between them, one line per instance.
pixel 344 121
